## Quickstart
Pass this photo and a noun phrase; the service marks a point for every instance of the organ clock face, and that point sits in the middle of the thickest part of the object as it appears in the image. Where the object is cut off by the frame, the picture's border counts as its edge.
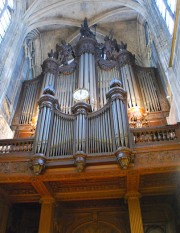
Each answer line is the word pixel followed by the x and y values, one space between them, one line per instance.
pixel 81 94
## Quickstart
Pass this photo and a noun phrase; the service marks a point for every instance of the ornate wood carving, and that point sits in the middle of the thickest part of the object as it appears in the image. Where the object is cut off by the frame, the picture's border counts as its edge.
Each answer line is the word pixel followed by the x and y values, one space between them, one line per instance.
pixel 85 45
pixel 50 65
pixel 68 69
pixel 125 57
pixel 14 167
pixel 106 64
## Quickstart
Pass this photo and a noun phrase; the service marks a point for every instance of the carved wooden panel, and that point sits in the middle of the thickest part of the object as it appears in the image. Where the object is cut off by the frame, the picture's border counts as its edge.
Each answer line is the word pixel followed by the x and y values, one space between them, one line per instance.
pixel 18 188
pixel 159 180
pixel 88 184
pixel 108 216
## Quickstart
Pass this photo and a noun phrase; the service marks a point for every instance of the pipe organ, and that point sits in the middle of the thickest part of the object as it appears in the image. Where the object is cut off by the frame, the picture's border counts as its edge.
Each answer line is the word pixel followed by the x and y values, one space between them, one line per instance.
pixel 121 95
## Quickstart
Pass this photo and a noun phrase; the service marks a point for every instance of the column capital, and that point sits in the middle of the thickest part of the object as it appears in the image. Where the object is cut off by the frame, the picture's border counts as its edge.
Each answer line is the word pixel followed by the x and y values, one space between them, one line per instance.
pixel 133 195
pixel 47 200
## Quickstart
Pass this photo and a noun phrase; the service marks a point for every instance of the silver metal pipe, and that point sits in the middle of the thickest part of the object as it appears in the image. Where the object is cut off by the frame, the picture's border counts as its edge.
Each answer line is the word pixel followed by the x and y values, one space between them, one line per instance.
pixel 94 83
pixel 86 73
pixel 137 96
pixel 120 122
pixel 53 136
pixel 81 74
pixel 115 122
pixel 125 123
pixel 142 91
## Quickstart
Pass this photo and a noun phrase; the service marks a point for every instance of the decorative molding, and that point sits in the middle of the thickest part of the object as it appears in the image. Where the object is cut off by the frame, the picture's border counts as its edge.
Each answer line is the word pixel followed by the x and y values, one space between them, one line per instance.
pixel 157 157
pixel 50 65
pixel 14 167
pixel 106 64
pixel 68 69
pixel 18 188
pixel 85 45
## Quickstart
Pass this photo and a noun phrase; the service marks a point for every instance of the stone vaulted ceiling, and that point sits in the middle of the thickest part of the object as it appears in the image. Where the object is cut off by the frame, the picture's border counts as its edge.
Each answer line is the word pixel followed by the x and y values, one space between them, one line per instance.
pixel 63 18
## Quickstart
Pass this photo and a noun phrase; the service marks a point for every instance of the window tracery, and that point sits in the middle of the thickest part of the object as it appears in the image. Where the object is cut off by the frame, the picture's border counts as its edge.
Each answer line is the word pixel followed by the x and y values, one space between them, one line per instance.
pixel 6 9
pixel 167 10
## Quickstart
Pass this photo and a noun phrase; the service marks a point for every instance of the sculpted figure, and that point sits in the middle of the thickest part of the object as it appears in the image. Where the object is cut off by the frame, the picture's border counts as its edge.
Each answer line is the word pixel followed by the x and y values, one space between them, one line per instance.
pixel 85 30
pixel 122 46
pixel 63 52
pixel 110 46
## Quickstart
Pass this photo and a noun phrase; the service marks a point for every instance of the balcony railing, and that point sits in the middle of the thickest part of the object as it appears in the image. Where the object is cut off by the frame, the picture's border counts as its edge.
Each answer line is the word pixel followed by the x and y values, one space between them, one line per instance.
pixel 16 145
pixel 169 134
pixel 155 135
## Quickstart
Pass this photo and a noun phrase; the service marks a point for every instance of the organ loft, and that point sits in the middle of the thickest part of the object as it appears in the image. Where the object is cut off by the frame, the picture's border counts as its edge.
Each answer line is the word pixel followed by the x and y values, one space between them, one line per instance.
pixel 92 150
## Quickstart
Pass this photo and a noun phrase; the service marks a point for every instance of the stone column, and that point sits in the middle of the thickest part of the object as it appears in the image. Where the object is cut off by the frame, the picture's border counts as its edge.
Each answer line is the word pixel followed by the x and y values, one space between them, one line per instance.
pixel 4 212
pixel 47 215
pixel 135 216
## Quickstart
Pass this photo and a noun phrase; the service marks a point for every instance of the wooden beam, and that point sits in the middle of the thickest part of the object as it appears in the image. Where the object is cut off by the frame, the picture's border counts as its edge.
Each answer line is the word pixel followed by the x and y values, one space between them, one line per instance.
pixel 41 188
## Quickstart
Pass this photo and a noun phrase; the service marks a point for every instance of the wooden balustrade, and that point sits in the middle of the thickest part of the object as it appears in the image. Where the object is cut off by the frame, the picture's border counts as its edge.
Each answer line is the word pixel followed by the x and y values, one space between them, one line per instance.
pixel 162 134
pixel 99 138
pixel 16 145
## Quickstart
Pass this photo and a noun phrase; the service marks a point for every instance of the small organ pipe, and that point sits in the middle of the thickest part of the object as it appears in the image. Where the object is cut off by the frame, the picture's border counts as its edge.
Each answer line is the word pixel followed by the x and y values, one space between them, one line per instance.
pixel 81 71
pixel 120 122
pixel 91 80
pixel 116 133
pixel 86 72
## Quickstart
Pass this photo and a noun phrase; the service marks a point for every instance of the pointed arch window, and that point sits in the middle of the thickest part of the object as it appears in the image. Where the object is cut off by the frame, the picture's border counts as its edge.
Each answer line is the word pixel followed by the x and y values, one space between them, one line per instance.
pixel 6 9
pixel 167 10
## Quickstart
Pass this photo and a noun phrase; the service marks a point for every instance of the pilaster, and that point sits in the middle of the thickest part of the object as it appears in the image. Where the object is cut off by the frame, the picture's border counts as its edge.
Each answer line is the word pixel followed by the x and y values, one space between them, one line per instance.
pixel 135 216
pixel 47 215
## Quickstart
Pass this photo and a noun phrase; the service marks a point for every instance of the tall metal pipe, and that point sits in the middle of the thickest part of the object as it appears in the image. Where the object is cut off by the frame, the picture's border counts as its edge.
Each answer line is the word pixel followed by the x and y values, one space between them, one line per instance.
pixel 50 69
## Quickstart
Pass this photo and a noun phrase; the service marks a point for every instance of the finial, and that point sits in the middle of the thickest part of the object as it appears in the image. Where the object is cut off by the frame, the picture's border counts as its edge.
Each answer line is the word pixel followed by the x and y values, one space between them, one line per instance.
pixel 51 54
pixel 49 90
pixel 115 83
